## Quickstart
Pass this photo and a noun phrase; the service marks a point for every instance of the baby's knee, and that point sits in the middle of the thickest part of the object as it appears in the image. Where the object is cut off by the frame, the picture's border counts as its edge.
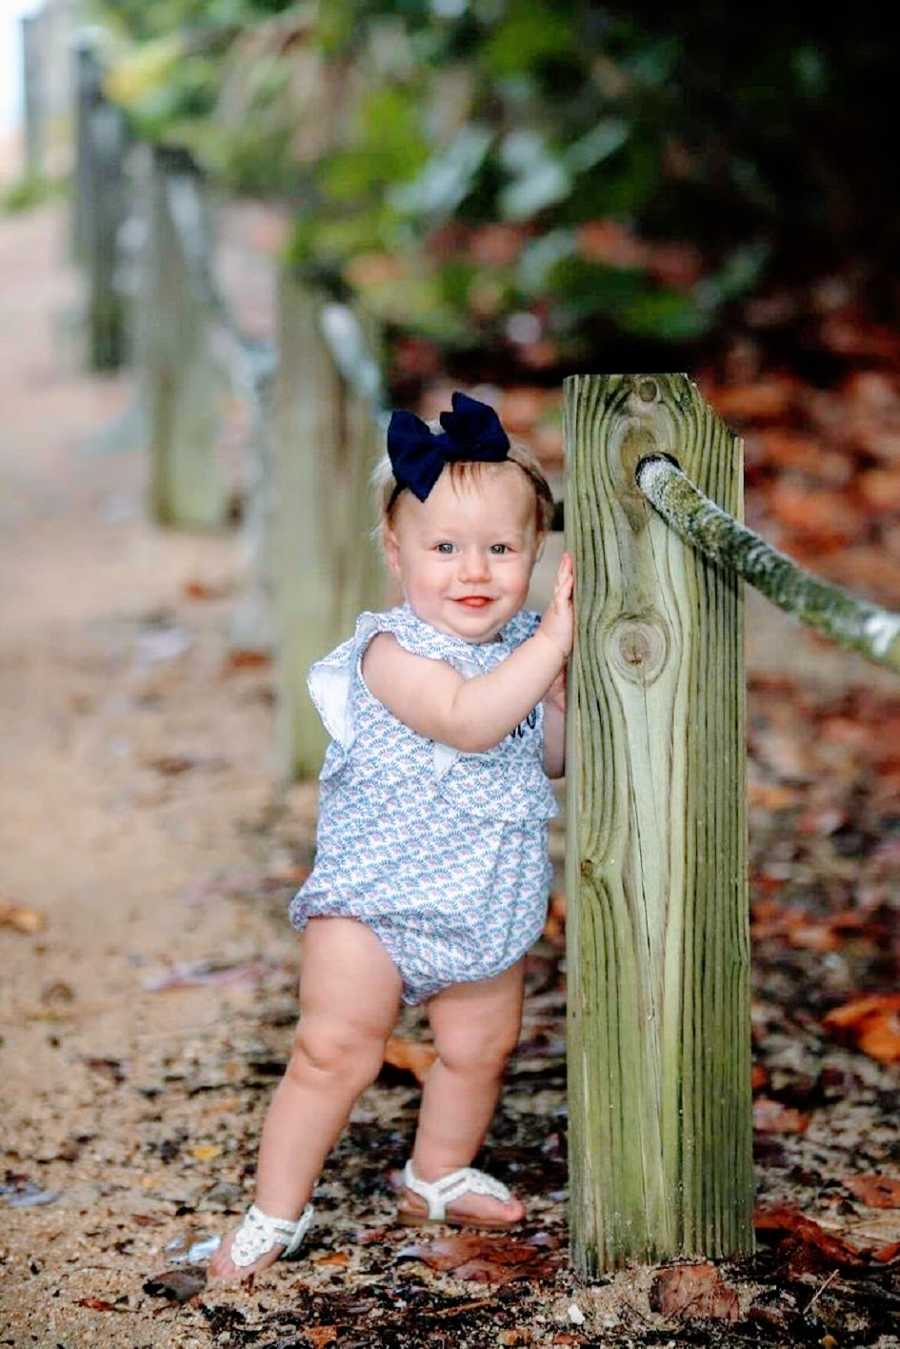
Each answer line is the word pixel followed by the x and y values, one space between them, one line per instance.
pixel 475 1050
pixel 329 1049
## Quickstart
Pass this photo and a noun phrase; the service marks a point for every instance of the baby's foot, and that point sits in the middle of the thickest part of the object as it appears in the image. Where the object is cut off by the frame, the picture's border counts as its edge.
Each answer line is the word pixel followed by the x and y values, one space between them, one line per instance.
pixel 222 1268
pixel 471 1209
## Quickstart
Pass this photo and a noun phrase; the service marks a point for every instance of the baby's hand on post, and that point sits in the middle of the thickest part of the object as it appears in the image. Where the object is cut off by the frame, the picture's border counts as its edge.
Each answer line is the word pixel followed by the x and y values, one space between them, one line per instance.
pixel 558 622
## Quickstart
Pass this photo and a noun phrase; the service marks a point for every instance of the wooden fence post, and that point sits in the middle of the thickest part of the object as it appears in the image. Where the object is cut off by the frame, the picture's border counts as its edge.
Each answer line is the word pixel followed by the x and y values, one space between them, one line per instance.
pixel 33 103
pixel 99 210
pixel 325 566
pixel 183 382
pixel 659 1020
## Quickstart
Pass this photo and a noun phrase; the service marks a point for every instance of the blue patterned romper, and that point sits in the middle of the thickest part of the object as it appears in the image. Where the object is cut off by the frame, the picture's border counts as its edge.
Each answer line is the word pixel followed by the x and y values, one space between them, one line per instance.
pixel 443 854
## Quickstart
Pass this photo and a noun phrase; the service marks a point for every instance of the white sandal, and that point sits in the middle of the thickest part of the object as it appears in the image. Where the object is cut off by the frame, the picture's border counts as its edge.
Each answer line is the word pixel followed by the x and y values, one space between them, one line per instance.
pixel 439 1193
pixel 258 1233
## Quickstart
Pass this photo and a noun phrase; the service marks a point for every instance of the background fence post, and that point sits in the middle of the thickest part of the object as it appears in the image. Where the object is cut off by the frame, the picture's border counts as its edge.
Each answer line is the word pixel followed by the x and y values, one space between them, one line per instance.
pixel 99 210
pixel 325 567
pixel 183 383
pixel 658 968
pixel 33 104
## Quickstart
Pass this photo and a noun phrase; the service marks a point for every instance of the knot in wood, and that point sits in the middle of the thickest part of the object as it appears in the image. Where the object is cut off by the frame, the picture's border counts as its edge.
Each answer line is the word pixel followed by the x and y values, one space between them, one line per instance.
pixel 638 649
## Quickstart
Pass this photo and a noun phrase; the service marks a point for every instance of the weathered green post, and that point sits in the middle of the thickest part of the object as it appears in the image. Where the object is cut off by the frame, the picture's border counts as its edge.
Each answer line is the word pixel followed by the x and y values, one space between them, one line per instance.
pixel 659 1020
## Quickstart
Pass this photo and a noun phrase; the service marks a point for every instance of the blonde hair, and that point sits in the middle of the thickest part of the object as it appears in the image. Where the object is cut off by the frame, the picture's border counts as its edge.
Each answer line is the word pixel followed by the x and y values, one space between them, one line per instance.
pixel 388 490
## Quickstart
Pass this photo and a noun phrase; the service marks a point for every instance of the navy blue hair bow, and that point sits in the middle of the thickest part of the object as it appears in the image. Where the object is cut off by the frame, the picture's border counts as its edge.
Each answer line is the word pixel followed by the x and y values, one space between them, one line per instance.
pixel 471 431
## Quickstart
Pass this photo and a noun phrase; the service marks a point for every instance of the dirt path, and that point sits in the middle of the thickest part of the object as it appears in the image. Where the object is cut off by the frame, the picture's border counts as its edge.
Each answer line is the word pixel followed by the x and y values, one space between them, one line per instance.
pixel 134 772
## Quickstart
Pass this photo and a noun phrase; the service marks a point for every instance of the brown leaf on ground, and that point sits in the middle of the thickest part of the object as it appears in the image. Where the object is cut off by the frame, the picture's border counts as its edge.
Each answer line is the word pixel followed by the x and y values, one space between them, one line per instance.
pixel 764 400
pixel 483 1259
pixel 873 1021
pixel 191 974
pixel 99 1304
pixel 243 659
pixel 320 1335
pixel 694 1291
pixel 800 929
pixel 171 765
pixel 555 926
pixel 204 590
pixel 111 1068
pixel 178 1285
pixel 771 1117
pixel 759 1077
pixel 21 919
pixel 876 1191
pixel 339 1258
pixel 412 1055
pixel 824 518
pixel 788 1220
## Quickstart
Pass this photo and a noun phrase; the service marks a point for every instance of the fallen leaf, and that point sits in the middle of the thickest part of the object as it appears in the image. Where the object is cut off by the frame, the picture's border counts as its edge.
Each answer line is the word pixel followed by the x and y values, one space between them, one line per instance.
pixel 243 659
pixel 98 1304
pixel 694 1291
pixel 178 1285
pixel 332 1258
pixel 205 590
pixel 191 974
pixel 784 1219
pixel 412 1055
pixel 111 1068
pixel 874 1022
pixel 170 765
pixel 483 1259
pixel 876 1191
pixel 320 1335
pixel 824 518
pixel 852 1014
pixel 57 993
pixel 555 926
pixel 771 1117
pixel 21 919
pixel 772 796
pixel 764 400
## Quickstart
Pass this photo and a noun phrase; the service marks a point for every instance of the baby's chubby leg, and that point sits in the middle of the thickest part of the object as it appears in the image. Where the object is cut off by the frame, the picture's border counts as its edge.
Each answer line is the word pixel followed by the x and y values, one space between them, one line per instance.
pixel 349 997
pixel 476 1026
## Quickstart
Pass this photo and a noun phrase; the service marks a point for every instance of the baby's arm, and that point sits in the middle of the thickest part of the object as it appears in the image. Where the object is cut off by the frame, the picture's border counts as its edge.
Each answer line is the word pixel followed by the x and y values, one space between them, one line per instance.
pixel 555 728
pixel 475 714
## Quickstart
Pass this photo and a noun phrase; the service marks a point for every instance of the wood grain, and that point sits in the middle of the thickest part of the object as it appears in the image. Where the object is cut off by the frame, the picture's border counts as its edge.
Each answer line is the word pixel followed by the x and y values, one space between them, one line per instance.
pixel 659 1030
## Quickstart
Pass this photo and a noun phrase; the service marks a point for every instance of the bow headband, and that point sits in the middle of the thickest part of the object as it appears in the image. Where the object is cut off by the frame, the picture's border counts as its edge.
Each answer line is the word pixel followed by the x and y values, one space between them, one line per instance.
pixel 471 431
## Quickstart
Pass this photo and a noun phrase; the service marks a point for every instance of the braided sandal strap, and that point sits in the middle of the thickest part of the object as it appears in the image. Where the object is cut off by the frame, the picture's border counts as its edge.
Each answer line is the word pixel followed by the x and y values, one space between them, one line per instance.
pixel 259 1233
pixel 439 1193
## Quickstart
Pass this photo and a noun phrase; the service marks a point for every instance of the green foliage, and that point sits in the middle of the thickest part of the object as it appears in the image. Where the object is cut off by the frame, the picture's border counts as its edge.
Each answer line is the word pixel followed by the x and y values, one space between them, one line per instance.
pixel 29 191
pixel 458 163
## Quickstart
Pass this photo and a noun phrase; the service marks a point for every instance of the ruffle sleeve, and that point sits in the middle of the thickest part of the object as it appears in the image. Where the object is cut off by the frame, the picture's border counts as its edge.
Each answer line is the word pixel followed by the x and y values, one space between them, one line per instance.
pixel 330 680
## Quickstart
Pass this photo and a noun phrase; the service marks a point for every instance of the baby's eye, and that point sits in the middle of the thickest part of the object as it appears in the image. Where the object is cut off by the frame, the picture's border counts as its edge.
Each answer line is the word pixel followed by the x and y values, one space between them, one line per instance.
pixel 500 548
pixel 444 547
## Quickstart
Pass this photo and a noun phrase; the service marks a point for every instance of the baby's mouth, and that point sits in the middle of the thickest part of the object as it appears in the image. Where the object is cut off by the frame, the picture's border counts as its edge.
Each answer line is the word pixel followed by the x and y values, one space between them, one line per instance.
pixel 474 601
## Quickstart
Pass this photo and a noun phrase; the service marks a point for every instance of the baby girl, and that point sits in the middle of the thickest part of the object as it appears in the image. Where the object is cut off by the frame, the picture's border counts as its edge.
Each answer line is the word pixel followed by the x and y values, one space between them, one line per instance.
pixel 446 717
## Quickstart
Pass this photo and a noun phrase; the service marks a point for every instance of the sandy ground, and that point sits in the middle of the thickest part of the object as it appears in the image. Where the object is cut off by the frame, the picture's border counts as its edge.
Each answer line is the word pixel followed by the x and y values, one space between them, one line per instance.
pixel 106 672
pixel 138 815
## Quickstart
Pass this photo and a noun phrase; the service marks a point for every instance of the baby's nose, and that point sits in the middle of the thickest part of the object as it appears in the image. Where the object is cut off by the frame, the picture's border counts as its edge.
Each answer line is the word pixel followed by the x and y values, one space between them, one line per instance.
pixel 474 564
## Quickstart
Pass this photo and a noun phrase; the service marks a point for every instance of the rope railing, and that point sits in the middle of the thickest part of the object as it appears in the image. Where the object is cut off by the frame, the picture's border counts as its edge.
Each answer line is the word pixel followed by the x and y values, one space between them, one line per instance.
pixel 853 623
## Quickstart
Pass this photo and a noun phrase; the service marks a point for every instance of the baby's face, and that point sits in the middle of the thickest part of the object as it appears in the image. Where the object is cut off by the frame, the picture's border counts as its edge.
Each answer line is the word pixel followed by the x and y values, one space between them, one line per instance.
pixel 465 555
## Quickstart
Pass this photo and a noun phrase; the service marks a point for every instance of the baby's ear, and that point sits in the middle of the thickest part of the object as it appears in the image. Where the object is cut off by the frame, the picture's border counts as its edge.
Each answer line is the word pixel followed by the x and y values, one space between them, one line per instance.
pixel 391 549
pixel 541 540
